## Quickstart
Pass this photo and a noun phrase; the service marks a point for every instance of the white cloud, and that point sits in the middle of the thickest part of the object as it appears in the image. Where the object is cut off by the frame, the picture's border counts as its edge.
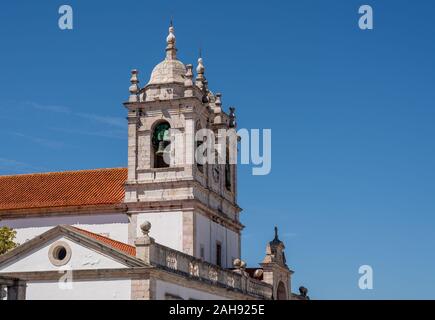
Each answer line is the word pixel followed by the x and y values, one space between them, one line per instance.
pixel 51 108
pixel 11 165
pixel 111 121
pixel 113 134
pixel 41 141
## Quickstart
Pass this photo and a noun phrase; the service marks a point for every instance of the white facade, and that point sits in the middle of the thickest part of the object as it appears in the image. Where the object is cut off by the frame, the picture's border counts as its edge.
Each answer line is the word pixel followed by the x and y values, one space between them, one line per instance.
pixel 112 225
pixel 92 268
pixel 167 290
pixel 118 289
pixel 209 234
pixel 167 227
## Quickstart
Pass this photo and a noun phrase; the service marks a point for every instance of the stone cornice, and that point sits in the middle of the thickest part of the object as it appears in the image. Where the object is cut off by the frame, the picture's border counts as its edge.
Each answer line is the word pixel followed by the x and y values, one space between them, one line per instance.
pixel 87 274
pixel 184 205
pixel 63 211
pixel 188 106
pixel 158 103
pixel 274 265
pixel 180 183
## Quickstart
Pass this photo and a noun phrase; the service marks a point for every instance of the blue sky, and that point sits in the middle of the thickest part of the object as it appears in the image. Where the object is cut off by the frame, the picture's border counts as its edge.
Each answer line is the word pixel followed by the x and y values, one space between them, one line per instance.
pixel 351 112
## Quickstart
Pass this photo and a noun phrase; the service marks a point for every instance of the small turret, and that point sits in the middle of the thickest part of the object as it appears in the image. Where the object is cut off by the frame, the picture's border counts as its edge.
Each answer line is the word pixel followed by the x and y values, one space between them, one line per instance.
pixel 275 269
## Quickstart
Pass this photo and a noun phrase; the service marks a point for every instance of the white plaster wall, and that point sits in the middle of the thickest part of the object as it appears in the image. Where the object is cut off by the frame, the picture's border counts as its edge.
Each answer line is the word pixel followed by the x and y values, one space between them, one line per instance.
pixel 166 227
pixel 203 237
pixel 113 225
pixel 163 288
pixel 233 247
pixel 81 258
pixel 119 289
pixel 208 233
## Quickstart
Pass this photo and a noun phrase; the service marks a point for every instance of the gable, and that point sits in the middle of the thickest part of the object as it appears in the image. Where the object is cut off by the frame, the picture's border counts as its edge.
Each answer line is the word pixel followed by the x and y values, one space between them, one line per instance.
pixel 41 258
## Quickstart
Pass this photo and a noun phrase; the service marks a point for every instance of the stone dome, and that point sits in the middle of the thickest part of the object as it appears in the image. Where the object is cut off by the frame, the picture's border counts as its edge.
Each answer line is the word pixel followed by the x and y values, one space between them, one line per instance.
pixel 168 71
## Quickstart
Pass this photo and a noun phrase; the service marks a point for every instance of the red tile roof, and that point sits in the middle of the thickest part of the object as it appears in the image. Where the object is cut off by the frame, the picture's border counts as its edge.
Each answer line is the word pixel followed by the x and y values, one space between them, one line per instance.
pixel 121 246
pixel 62 189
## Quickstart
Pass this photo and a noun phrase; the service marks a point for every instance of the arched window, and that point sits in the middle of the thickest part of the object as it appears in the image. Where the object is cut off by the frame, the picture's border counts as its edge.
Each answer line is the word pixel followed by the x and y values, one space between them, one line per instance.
pixel 228 171
pixel 198 144
pixel 216 167
pixel 161 145
pixel 281 292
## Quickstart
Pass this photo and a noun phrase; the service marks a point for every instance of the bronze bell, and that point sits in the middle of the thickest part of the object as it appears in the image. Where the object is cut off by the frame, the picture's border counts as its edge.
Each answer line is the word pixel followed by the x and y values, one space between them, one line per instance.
pixel 161 150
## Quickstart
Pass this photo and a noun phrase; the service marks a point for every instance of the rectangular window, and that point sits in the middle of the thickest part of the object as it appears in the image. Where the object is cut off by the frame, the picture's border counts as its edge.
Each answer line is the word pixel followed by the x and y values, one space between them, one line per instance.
pixel 219 254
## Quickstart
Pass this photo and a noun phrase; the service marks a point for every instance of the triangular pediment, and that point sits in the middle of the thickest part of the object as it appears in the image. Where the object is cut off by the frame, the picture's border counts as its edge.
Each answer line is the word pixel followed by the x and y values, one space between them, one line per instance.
pixel 66 248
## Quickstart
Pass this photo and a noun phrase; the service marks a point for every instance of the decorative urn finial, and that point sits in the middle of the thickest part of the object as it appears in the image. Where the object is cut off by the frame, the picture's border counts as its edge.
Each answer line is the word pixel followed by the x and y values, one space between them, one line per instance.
pixel 134 87
pixel 145 227
pixel 171 51
pixel 237 262
pixel 200 69
pixel 189 76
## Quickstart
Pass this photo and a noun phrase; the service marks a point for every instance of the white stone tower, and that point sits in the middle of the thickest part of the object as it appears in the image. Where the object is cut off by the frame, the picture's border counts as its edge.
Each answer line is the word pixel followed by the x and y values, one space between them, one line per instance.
pixel 192 207
pixel 275 269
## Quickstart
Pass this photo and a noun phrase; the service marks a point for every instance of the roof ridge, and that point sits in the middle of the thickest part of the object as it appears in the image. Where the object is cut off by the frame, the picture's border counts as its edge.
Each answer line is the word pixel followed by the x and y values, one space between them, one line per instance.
pixel 60 172
pixel 99 237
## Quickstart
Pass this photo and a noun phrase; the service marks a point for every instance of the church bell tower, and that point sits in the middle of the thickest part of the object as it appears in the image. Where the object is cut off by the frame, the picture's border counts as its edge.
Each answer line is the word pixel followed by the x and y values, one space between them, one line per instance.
pixel 191 206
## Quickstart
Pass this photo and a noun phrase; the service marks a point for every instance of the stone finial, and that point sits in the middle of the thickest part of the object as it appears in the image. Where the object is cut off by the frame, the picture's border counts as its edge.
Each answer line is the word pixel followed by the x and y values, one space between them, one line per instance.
pixel 217 108
pixel 243 265
pixel 206 95
pixel 275 251
pixel 240 267
pixel 236 263
pixel 200 69
pixel 276 240
pixel 188 81
pixel 218 101
pixel 145 227
pixel 189 76
pixel 258 273
pixel 134 87
pixel 171 51
pixel 145 243
pixel 303 291
pixel 170 39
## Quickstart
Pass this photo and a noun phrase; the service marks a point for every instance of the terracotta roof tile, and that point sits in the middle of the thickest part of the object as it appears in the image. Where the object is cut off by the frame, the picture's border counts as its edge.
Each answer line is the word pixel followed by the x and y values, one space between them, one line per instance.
pixel 121 246
pixel 62 189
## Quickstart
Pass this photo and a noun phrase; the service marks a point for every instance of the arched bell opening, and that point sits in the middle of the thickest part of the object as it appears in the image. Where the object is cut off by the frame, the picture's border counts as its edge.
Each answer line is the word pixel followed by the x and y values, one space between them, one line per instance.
pixel 161 145
pixel 199 142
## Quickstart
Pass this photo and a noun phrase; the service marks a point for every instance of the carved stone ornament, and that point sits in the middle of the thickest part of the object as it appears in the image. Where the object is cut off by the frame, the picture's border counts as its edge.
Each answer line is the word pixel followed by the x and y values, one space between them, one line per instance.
pixel 171 261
